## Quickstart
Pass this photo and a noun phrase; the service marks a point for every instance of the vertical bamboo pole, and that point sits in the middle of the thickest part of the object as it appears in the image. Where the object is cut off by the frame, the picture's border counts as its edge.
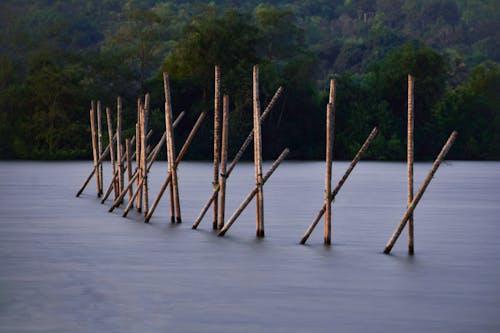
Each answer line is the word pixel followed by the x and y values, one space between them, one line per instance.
pixel 330 123
pixel 223 163
pixel 410 160
pixel 111 147
pixel 128 153
pixel 99 146
pixel 119 147
pixel 420 192
pixel 171 148
pixel 94 148
pixel 258 155
pixel 216 140
pixel 138 203
pixel 144 129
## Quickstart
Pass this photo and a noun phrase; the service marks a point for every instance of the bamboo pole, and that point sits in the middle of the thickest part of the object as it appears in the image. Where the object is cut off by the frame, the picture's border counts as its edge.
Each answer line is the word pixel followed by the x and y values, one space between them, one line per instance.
pixel 144 127
pixel 93 172
pixel 177 161
pixel 138 203
pixel 136 174
pixel 258 155
pixel 128 154
pixel 411 207
pixel 171 148
pixel 341 182
pixel 254 191
pixel 99 146
pixel 410 160
pixel 327 229
pixel 223 163
pixel 217 140
pixel 119 148
pixel 111 149
pixel 94 148
pixel 237 157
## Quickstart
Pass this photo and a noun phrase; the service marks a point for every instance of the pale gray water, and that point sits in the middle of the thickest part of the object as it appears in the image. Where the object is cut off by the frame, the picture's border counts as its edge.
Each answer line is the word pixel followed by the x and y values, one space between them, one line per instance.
pixel 67 265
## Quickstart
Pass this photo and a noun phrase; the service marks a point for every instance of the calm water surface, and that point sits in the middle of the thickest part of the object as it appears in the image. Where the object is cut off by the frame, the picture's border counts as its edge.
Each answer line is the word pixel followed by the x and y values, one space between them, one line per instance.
pixel 67 265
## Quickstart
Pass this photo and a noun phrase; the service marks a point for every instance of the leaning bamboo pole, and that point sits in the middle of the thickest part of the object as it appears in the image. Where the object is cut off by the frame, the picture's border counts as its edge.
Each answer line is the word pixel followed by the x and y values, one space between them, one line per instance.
pixel 94 147
pixel 258 155
pixel 237 157
pixel 177 161
pixel 409 154
pixel 341 182
pixel 171 147
pixel 254 191
pixel 94 169
pixel 99 145
pixel 217 140
pixel 111 148
pixel 223 163
pixel 411 207
pixel 135 176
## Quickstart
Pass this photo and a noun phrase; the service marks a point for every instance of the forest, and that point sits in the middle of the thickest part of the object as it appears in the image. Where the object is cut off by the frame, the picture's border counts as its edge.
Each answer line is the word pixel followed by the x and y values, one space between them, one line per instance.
pixel 57 56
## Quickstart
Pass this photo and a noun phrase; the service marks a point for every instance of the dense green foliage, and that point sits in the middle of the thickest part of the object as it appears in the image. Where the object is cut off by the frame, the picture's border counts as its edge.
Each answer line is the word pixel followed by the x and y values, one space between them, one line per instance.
pixel 56 56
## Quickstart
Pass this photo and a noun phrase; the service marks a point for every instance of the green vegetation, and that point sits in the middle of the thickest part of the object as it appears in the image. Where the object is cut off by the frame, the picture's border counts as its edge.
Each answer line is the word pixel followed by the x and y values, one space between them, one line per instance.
pixel 56 56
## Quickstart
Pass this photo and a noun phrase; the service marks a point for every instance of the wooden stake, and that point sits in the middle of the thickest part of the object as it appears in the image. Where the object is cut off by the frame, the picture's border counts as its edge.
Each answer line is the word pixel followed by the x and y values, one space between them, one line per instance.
pixel 254 191
pixel 420 192
pixel 177 161
pixel 258 155
pixel 94 148
pixel 237 157
pixel 223 163
pixel 111 148
pixel 328 175
pixel 341 182
pixel 171 148
pixel 217 140
pixel 410 161
pixel 99 146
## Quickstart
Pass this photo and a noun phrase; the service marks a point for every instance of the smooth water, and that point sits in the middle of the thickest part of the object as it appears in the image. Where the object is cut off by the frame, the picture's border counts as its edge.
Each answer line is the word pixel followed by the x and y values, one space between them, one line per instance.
pixel 67 265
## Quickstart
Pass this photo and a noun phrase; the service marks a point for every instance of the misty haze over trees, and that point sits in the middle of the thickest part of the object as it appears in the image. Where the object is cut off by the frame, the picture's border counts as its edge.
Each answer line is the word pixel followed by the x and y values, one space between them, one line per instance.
pixel 56 56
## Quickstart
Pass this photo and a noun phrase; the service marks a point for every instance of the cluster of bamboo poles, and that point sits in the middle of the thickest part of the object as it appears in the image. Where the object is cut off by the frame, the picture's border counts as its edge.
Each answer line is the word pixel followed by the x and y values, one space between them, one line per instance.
pixel 121 162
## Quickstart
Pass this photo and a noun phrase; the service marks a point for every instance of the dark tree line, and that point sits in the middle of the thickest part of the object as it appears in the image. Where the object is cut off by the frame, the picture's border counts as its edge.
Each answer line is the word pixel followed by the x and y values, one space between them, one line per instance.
pixel 56 56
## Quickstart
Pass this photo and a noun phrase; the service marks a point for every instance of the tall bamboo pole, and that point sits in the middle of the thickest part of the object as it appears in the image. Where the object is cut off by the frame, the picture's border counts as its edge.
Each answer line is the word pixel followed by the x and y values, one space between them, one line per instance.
pixel 237 157
pixel 258 155
pixel 217 140
pixel 223 163
pixel 144 128
pixel 177 161
pixel 420 192
pixel 128 153
pixel 111 148
pixel 330 125
pixel 254 191
pixel 94 148
pixel 99 146
pixel 138 203
pixel 119 148
pixel 410 160
pixel 341 182
pixel 171 148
